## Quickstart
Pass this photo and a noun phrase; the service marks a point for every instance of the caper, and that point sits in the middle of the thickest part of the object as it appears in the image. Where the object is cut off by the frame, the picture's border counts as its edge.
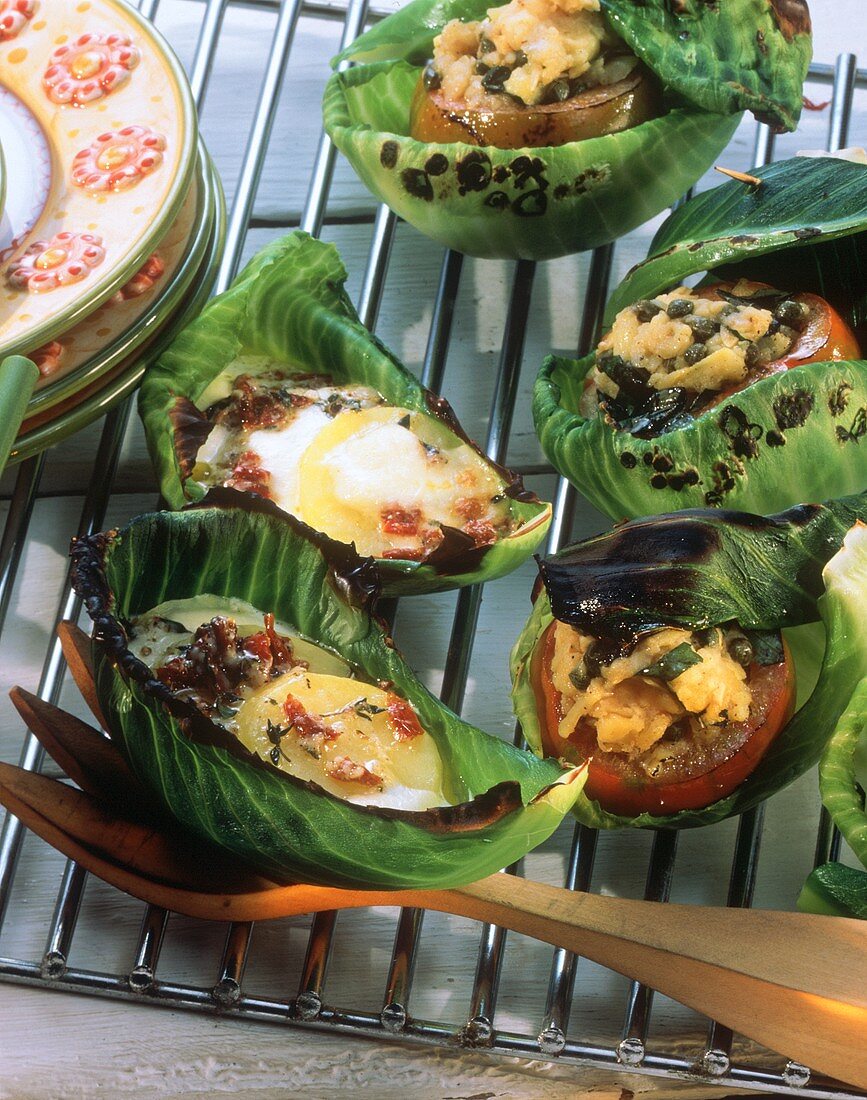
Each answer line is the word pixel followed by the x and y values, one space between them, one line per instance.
pixel 702 328
pixel 755 357
pixel 520 59
pixel 579 677
pixel 494 79
pixel 432 79
pixel 646 310
pixel 694 354
pixel 482 68
pixel 680 307
pixel 740 650
pixel 557 91
pixel 709 636
pixel 792 313
pixel 486 45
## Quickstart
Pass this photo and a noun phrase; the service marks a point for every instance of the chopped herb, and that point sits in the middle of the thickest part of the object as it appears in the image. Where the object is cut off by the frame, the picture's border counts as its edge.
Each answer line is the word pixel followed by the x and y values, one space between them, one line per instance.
pixel 673 663
pixel 367 710
pixel 430 450
pixel 404 421
pixel 226 711
pixel 275 733
pixel 762 298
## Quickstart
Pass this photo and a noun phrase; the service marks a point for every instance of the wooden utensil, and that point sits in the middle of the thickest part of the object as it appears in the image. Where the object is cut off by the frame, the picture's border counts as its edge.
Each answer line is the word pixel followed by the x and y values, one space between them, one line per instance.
pixel 791 981
pixel 18 377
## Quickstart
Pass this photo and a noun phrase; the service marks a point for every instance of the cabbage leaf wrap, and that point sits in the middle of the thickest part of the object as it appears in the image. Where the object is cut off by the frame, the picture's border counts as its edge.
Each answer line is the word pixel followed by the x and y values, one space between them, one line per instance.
pixel 504 801
pixel 706 569
pixel 713 60
pixel 289 303
pixel 803 229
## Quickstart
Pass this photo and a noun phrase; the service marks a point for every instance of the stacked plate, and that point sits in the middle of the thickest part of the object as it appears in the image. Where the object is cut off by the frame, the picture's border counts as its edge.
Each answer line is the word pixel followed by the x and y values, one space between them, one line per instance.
pixel 112 214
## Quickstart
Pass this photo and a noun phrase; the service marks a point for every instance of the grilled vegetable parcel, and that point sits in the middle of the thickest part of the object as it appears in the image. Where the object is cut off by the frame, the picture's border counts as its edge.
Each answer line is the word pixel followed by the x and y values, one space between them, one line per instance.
pixel 659 655
pixel 536 128
pixel 278 391
pixel 712 396
pixel 277 720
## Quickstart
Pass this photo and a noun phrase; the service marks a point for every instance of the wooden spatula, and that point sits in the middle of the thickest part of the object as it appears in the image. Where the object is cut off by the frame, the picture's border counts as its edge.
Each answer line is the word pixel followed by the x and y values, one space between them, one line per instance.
pixel 791 981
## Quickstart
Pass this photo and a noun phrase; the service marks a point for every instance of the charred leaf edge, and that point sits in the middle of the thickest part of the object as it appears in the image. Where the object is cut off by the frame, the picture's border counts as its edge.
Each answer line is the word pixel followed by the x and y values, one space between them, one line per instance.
pixel 89 558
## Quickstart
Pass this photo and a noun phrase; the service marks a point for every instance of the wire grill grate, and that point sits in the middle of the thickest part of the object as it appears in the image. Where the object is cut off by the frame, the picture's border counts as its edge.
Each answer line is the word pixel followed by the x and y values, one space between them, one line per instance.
pixel 549 1035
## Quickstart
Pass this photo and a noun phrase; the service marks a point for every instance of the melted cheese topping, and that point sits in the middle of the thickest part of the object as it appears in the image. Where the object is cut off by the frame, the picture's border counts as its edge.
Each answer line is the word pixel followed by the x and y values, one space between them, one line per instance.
pixel 355 751
pixel 630 712
pixel 316 721
pixel 370 466
pixel 540 41
pixel 386 478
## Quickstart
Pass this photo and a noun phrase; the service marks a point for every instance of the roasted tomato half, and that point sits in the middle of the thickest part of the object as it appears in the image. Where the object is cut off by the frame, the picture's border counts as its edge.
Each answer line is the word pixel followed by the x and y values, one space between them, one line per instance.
pixel 601 110
pixel 708 765
pixel 823 335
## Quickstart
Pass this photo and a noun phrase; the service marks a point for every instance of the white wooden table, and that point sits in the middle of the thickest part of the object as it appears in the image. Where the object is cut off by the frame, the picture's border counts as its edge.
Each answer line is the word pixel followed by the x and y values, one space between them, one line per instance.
pixel 54 1045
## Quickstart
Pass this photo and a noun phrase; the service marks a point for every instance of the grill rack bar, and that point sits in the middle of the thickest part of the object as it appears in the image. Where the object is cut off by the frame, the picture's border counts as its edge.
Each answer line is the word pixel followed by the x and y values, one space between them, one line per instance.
pixel 140 984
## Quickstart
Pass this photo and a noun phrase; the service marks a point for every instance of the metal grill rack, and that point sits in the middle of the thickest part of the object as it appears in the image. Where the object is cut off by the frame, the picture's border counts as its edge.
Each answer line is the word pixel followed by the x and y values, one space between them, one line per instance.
pixel 545 1031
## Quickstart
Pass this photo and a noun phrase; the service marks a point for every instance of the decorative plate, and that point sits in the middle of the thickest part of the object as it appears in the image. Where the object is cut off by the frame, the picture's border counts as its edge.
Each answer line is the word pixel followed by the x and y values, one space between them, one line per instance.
pixel 98 127
pixel 95 400
pixel 113 331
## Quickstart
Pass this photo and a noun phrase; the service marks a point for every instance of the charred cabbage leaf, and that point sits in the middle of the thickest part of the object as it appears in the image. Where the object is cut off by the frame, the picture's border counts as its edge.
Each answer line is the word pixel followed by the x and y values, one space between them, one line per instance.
pixel 752 547
pixel 805 228
pixel 505 801
pixel 725 58
pixel 289 303
pixel 700 568
pixel 534 203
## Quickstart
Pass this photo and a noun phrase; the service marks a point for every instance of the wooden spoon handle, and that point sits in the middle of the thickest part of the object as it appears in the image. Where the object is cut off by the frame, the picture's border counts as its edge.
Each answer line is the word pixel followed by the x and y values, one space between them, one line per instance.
pixel 793 982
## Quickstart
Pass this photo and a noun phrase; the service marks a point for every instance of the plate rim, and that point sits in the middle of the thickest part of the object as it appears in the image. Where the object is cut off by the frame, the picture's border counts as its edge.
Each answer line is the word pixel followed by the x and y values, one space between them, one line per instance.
pixel 92 408
pixel 56 324
pixel 134 335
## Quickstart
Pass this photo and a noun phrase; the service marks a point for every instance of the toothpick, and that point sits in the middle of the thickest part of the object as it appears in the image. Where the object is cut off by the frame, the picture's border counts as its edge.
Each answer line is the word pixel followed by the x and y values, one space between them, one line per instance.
pixel 744 177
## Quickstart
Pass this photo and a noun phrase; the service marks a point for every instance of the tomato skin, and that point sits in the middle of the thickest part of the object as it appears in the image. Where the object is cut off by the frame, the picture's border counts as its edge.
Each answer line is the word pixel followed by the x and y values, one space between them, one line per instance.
pixel 826 339
pixel 773 688
pixel 608 110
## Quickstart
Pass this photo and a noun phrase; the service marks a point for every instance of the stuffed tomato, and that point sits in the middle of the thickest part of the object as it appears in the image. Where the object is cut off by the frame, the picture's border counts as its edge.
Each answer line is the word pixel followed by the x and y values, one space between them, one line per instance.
pixel 278 721
pixel 278 392
pixel 712 395
pixel 543 127
pixel 659 657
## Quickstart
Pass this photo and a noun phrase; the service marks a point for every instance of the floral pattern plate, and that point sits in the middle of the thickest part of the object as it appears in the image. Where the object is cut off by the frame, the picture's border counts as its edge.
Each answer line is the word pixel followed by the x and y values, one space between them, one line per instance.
pixel 95 399
pixel 82 354
pixel 98 128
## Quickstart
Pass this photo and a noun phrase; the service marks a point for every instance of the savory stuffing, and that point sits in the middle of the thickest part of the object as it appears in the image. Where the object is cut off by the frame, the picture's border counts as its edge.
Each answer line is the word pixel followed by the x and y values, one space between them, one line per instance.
pixel 394 481
pixel 532 51
pixel 291 702
pixel 700 343
pixel 671 683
